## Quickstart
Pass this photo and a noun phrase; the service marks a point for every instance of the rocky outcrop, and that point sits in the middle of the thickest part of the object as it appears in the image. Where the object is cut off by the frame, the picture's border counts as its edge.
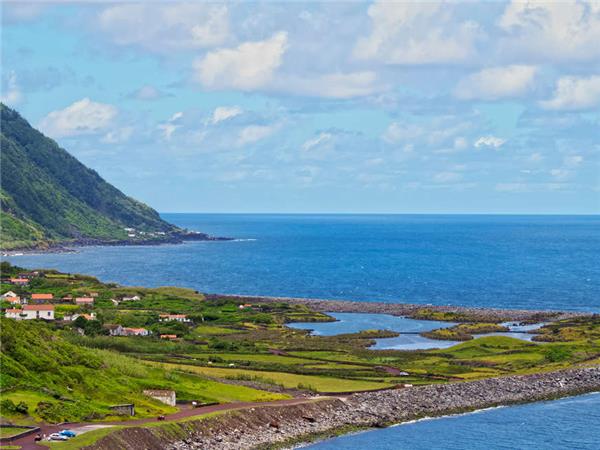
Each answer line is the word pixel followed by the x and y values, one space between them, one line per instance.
pixel 272 426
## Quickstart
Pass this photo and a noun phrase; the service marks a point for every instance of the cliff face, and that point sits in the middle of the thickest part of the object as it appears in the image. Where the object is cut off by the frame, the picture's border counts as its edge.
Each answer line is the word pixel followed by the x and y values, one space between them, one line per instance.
pixel 47 195
pixel 270 426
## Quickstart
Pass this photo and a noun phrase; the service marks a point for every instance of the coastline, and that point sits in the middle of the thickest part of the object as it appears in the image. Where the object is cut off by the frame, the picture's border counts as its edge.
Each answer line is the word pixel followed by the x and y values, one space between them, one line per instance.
pixel 71 246
pixel 449 313
pixel 276 427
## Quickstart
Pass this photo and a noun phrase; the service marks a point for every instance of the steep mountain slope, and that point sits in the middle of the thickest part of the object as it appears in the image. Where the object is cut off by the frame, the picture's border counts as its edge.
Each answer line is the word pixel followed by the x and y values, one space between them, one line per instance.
pixel 48 196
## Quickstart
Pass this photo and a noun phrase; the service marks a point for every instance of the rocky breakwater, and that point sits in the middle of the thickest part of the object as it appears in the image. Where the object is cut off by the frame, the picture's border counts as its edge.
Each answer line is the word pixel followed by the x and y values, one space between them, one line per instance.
pixel 416 311
pixel 279 426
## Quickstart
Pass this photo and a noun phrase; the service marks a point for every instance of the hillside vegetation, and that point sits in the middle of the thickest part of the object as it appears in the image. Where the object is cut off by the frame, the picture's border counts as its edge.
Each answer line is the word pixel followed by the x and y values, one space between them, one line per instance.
pixel 45 377
pixel 48 196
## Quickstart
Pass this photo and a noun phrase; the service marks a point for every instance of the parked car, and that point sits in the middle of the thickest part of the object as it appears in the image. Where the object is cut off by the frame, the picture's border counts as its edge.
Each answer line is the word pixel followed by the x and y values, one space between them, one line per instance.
pixel 57 437
pixel 68 433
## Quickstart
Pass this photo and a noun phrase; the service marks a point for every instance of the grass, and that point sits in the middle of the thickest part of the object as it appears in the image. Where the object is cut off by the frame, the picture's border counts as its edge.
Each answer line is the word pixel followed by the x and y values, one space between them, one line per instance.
pixel 10 431
pixel 288 380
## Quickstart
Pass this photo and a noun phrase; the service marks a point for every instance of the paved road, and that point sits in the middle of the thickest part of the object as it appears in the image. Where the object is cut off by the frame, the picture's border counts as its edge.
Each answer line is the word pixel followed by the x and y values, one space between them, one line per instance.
pixel 28 443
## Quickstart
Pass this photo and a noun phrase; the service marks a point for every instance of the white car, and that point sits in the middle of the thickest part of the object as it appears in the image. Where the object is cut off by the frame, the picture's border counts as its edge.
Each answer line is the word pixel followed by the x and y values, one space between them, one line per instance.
pixel 57 437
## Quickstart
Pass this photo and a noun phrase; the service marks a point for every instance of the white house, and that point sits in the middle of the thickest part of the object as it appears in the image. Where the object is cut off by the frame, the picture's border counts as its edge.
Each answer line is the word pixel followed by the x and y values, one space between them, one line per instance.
pixel 135 298
pixel 174 317
pixel 9 294
pixel 72 317
pixel 29 312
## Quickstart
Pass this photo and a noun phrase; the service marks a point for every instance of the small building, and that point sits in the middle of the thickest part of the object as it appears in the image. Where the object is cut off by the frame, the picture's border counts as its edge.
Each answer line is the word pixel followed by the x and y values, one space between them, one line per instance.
pixel 84 301
pixel 169 337
pixel 127 409
pixel 19 281
pixel 9 294
pixel 174 318
pixel 40 298
pixel 162 395
pixel 72 317
pixel 30 312
pixel 245 306
pixel 135 332
pixel 134 298
pixel 93 294
pixel 114 329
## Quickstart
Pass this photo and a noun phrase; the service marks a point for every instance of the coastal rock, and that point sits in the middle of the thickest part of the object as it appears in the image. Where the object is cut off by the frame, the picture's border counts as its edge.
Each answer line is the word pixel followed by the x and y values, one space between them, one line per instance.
pixel 323 416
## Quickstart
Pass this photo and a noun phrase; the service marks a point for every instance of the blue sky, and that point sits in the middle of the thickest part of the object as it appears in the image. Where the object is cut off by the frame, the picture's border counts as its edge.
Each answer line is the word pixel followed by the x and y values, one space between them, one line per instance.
pixel 490 107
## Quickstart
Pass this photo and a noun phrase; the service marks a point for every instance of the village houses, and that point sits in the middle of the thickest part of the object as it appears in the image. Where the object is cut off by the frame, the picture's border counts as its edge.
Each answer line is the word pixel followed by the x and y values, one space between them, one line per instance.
pixel 29 312
pixel 73 317
pixel 84 301
pixel 19 281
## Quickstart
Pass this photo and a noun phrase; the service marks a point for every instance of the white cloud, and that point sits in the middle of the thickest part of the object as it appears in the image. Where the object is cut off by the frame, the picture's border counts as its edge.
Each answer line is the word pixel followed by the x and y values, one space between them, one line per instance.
pixel 574 93
pixel 496 82
pixel 318 140
pixel 118 136
pixel 80 118
pixel 460 143
pixel 553 30
pixel 560 174
pixel 416 33
pixel 489 141
pixel 254 133
pixel 332 85
pixel 11 92
pixel 246 67
pixel 222 113
pixel 447 177
pixel 171 125
pixel 166 27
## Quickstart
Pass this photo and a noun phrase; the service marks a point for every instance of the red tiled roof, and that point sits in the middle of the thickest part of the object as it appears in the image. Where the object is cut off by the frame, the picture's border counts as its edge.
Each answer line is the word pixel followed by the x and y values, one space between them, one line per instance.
pixel 168 336
pixel 38 308
pixel 13 311
pixel 84 300
pixel 42 296
pixel 19 280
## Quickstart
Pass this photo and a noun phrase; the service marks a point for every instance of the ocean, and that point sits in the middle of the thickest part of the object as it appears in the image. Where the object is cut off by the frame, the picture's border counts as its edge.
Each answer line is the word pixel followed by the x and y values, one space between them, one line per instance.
pixel 529 262
pixel 566 424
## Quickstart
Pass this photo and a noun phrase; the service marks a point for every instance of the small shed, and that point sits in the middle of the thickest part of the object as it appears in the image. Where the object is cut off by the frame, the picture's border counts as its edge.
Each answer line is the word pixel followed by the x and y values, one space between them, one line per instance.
pixel 126 409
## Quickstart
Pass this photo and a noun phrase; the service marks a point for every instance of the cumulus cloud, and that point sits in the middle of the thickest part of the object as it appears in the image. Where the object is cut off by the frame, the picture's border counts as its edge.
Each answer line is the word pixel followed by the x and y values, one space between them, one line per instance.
pixel 554 31
pixel 249 66
pixel 397 132
pixel 166 27
pixel 496 82
pixel 489 141
pixel 11 91
pixel 574 93
pixel 223 113
pixel 80 118
pixel 416 33
pixel 254 133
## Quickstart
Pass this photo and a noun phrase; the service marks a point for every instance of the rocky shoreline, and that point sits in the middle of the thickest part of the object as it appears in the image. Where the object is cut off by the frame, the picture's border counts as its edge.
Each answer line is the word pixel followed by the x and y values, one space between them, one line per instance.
pixel 461 313
pixel 284 426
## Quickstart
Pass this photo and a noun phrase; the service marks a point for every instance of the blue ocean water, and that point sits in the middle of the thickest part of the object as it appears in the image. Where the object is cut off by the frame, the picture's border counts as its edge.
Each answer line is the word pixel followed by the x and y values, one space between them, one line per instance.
pixel 545 262
pixel 571 423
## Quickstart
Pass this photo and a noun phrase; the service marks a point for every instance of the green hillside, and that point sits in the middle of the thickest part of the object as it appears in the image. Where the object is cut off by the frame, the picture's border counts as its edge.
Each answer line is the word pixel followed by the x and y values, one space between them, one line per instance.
pixel 46 377
pixel 48 196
